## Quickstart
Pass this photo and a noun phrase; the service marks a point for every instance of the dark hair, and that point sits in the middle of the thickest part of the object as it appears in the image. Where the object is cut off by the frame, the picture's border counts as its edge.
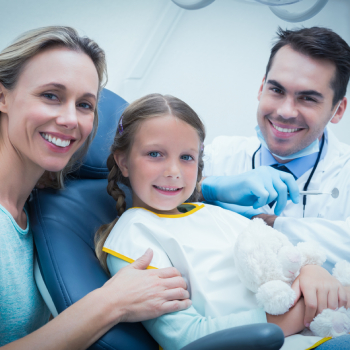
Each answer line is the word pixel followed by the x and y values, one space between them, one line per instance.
pixel 318 43
pixel 150 106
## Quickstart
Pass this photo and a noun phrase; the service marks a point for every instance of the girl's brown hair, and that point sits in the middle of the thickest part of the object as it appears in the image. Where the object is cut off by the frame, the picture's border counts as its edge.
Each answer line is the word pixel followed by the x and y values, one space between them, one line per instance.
pixel 14 57
pixel 150 106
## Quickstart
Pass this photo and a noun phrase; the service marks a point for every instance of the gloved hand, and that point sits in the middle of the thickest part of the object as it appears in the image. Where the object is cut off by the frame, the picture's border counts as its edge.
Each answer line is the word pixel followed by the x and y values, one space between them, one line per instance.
pixel 255 188
pixel 248 212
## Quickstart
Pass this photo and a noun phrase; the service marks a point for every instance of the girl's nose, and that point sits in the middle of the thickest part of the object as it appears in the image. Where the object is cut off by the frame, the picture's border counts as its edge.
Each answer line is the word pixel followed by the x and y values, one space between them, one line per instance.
pixel 172 170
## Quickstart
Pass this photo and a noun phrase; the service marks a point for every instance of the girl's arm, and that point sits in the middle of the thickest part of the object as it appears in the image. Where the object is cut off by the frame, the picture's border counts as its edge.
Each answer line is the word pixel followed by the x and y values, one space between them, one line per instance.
pixel 292 321
pixel 175 330
pixel 132 295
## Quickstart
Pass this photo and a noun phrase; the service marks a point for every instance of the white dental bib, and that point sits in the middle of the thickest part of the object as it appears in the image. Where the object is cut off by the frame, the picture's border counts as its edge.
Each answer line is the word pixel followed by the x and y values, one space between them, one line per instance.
pixel 198 243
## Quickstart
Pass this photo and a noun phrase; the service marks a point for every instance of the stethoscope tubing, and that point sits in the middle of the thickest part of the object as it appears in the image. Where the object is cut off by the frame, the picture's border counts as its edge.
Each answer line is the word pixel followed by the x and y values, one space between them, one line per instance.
pixel 310 176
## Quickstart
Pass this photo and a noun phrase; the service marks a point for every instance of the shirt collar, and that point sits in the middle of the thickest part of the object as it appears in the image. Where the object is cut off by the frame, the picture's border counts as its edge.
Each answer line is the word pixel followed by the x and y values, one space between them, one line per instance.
pixel 297 166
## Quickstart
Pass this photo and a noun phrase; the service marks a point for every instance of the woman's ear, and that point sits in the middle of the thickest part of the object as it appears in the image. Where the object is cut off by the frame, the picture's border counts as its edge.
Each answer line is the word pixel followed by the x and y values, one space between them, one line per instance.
pixel 122 161
pixel 3 99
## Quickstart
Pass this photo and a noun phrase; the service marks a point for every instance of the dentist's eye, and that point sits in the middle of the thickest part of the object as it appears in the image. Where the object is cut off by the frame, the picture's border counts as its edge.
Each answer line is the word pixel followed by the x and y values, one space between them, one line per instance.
pixel 187 157
pixel 308 99
pixel 154 154
pixel 277 90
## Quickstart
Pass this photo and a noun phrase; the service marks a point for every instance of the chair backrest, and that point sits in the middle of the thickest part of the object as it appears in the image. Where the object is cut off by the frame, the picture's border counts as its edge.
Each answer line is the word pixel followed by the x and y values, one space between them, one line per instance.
pixel 64 223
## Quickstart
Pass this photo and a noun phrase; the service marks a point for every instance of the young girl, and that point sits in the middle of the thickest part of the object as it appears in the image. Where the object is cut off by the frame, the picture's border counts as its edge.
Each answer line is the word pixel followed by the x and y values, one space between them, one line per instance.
pixel 157 151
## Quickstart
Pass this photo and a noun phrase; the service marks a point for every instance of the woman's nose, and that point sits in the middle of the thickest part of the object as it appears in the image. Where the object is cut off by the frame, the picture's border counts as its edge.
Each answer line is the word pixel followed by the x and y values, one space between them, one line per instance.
pixel 68 117
pixel 287 108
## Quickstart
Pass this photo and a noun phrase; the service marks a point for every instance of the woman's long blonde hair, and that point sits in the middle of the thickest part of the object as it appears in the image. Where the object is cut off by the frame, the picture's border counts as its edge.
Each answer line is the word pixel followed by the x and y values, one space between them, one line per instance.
pixel 150 106
pixel 14 57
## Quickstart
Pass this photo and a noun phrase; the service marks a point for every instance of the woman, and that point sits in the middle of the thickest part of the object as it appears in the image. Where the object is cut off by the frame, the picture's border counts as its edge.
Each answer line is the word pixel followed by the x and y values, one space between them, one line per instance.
pixel 50 80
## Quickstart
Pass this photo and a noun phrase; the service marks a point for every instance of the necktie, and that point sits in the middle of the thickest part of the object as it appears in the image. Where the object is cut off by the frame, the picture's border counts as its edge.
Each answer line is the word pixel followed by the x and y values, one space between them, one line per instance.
pixel 280 167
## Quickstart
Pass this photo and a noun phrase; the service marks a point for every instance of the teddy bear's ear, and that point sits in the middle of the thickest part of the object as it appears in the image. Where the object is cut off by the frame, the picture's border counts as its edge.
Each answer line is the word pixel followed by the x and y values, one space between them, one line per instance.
pixel 341 272
pixel 311 253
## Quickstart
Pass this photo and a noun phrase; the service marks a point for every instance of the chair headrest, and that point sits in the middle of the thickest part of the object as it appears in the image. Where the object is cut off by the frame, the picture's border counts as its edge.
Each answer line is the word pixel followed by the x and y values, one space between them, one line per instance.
pixel 110 108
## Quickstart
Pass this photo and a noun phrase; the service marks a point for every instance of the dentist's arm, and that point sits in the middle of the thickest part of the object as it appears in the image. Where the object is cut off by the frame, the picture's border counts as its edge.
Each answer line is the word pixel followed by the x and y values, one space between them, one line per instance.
pixel 254 188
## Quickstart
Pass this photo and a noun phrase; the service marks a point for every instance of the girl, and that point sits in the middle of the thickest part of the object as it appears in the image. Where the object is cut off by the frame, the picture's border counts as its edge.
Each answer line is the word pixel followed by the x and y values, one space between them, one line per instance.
pixel 50 79
pixel 157 151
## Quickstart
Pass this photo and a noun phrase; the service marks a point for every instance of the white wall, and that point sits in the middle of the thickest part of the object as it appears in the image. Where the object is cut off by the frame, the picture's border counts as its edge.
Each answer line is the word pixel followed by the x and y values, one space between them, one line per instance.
pixel 213 58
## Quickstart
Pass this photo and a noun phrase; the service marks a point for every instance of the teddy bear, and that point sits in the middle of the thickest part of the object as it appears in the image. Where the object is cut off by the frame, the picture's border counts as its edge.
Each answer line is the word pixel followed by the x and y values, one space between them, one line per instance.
pixel 267 263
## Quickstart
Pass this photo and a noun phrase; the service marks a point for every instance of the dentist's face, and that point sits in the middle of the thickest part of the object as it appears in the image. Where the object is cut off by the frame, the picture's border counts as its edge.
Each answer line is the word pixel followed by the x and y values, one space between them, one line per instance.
pixel 296 101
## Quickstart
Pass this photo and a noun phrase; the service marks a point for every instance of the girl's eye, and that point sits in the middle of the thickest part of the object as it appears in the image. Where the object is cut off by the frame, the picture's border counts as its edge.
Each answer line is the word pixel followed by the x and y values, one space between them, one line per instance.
pixel 154 154
pixel 85 105
pixel 50 96
pixel 186 157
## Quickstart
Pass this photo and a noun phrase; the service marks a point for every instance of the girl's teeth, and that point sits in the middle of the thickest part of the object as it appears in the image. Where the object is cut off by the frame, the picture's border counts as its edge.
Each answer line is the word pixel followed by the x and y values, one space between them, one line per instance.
pixel 167 188
pixel 284 130
pixel 56 141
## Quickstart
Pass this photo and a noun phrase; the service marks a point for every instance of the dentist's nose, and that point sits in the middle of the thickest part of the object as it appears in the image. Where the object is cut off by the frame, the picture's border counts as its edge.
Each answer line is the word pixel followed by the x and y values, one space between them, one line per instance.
pixel 172 169
pixel 287 108
pixel 68 117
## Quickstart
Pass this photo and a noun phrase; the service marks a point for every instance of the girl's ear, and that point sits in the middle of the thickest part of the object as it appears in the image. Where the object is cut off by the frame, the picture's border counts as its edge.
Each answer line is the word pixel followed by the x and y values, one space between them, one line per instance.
pixel 122 162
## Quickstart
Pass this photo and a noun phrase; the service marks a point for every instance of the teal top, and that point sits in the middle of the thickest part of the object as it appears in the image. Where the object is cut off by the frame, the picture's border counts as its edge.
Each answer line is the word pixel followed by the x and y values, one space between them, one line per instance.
pixel 22 309
pixel 176 330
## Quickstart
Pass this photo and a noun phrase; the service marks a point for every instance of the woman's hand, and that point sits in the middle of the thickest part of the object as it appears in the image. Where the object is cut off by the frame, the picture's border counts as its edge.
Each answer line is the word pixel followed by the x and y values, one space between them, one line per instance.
pixel 138 294
pixel 320 290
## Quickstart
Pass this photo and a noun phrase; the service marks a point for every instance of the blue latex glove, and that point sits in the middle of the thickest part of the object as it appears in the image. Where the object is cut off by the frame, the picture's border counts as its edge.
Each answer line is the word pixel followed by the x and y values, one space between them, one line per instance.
pixel 248 212
pixel 255 188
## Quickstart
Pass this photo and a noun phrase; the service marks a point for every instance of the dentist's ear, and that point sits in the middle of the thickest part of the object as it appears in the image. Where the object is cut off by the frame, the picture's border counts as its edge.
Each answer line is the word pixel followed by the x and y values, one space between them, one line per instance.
pixel 261 88
pixel 340 111
pixel 122 162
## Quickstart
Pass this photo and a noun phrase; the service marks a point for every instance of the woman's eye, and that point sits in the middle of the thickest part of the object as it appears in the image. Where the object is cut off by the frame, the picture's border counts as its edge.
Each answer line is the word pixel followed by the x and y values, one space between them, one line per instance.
pixel 50 96
pixel 154 154
pixel 186 157
pixel 85 105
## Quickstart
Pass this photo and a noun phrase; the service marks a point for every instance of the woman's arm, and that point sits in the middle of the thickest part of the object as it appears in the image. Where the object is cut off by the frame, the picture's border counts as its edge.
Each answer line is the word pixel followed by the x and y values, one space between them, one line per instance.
pixel 132 295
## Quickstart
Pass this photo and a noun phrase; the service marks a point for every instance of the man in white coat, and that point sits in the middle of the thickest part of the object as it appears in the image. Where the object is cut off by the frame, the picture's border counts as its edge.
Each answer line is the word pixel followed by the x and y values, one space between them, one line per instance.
pixel 302 91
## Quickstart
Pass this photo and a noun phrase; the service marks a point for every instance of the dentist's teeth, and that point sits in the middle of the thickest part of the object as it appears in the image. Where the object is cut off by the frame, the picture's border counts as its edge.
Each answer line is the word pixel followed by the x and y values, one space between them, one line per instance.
pixel 283 129
pixel 56 141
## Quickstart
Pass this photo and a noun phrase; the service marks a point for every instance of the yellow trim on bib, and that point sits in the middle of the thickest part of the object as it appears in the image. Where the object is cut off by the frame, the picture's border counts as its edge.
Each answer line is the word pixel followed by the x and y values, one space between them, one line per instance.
pixel 174 216
pixel 319 343
pixel 123 257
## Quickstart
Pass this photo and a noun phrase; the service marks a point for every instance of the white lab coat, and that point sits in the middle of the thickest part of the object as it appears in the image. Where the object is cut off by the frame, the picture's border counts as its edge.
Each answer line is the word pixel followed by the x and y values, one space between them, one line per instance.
pixel 327 220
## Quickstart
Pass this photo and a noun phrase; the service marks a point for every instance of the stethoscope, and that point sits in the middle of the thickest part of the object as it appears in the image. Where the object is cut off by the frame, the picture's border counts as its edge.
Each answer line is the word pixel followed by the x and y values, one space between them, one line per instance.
pixel 310 176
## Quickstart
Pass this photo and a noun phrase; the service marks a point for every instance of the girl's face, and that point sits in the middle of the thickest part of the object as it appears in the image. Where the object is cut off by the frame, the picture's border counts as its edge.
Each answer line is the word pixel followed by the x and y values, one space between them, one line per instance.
pixel 162 165
pixel 50 112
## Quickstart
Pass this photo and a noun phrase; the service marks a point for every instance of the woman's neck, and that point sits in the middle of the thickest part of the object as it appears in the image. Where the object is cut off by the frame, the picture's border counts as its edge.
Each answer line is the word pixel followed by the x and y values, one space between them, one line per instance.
pixel 18 177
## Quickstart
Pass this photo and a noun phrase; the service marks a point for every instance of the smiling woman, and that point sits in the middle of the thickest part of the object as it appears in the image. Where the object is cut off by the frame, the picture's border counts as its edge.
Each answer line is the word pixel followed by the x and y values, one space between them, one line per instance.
pixel 50 80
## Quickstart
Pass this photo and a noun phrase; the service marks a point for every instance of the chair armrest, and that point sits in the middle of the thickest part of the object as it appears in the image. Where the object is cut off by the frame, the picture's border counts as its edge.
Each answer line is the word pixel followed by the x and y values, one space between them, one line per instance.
pixel 262 336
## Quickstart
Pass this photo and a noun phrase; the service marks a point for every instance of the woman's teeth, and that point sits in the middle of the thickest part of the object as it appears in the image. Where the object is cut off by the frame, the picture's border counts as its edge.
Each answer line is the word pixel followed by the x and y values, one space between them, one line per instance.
pixel 166 188
pixel 283 129
pixel 55 140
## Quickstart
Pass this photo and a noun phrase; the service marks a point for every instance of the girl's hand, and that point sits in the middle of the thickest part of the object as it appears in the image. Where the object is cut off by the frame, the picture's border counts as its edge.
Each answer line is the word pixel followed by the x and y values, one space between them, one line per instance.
pixel 138 294
pixel 320 290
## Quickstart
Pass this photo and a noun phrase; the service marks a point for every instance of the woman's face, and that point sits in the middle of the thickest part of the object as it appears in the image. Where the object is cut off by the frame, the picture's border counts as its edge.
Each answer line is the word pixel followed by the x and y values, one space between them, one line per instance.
pixel 50 112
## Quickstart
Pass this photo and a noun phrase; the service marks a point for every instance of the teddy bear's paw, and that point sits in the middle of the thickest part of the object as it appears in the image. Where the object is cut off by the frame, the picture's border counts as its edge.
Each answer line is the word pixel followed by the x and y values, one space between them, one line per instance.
pixel 341 272
pixel 276 297
pixel 331 323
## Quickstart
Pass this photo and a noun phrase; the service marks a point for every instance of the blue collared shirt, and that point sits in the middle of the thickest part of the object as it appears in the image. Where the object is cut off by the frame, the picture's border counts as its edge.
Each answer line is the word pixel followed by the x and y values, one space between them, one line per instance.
pixel 298 166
